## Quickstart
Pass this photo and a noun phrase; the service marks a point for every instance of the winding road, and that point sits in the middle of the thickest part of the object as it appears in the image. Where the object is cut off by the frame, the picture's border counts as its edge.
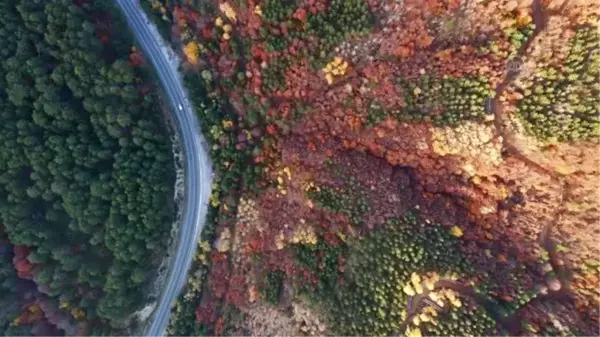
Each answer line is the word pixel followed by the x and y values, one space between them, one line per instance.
pixel 197 166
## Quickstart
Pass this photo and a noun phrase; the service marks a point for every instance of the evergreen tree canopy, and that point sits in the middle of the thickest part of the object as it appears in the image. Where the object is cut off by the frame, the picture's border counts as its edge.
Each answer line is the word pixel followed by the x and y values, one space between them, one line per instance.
pixel 85 166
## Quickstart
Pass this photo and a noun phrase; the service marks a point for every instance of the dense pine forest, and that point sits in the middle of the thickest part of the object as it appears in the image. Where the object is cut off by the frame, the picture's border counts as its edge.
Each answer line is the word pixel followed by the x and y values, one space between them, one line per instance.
pixel 86 169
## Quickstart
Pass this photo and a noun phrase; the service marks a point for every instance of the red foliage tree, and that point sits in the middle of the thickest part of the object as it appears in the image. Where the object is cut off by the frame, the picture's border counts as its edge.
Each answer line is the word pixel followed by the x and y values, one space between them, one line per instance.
pixel 206 313
pixel 22 265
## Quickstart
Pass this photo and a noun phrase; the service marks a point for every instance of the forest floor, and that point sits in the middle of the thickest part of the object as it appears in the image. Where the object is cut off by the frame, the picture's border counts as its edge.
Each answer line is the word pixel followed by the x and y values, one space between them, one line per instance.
pixel 354 117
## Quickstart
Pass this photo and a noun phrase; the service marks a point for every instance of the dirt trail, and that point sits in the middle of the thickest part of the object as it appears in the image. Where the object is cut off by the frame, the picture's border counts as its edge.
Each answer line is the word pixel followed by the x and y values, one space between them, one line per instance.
pixel 540 18
pixel 512 323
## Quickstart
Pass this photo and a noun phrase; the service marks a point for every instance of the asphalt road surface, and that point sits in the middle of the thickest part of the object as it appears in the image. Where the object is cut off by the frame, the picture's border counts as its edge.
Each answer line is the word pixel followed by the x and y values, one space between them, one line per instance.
pixel 197 167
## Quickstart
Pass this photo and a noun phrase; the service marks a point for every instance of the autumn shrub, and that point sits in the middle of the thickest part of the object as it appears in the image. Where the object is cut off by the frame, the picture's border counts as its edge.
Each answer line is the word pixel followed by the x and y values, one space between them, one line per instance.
pixel 562 102
pixel 322 259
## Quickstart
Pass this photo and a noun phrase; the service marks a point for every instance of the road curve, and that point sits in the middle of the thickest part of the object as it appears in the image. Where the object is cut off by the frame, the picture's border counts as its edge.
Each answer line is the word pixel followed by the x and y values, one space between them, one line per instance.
pixel 197 166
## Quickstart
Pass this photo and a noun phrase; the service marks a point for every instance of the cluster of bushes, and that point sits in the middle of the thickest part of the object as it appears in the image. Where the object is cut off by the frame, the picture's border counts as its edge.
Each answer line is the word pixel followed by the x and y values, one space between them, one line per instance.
pixel 376 113
pixel 468 320
pixel 323 260
pixel 272 287
pixel 274 75
pixel 86 170
pixel 518 36
pixel 521 298
pixel 232 164
pixel 340 20
pixel 277 11
pixel 183 315
pixel 349 201
pixel 234 170
pixel 158 13
pixel 444 101
pixel 183 319
pixel 561 103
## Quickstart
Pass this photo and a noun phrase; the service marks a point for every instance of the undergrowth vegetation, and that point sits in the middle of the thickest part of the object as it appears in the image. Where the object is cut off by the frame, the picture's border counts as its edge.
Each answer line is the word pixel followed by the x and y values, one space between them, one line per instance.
pixel 341 19
pixel 348 200
pixel 273 284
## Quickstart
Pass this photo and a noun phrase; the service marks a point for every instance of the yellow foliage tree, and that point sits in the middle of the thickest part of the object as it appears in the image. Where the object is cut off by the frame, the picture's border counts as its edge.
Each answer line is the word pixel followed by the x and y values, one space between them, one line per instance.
pixel 77 313
pixel 228 11
pixel 191 51
pixel 337 67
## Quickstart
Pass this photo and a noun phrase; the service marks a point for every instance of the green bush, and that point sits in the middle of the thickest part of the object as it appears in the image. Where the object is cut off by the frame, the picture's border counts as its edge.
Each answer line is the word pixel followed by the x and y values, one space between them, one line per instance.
pixel 349 201
pixel 468 320
pixel 517 37
pixel 273 284
pixel 322 259
pixel 342 19
pixel 276 11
